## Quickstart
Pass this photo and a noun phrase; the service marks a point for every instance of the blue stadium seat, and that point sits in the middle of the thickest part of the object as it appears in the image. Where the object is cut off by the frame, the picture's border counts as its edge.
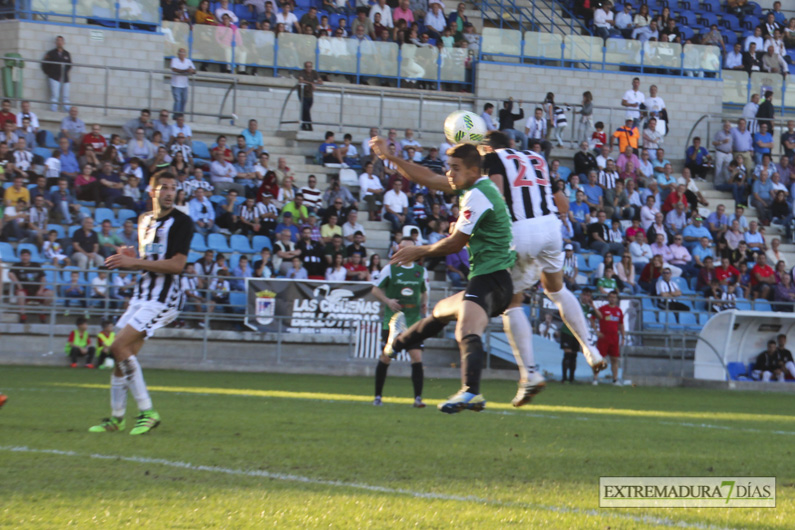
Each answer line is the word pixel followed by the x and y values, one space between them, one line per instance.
pixel 125 214
pixel 103 214
pixel 703 317
pixel 193 257
pixel 239 243
pixel 682 283
pixel 750 22
pixel 729 38
pixel 564 173
pixel 743 306
pixel 650 322
pixel 648 304
pixel 35 257
pixel 7 253
pixel 687 32
pixel 198 243
pixel 582 263
pixel 57 228
pixel 687 321
pixel 218 199
pixel 43 152
pixel 66 275
pixel 238 301
pixel 737 372
pixel 762 305
pixel 243 13
pixel 200 150
pixel 708 19
pixel 217 242
pixel 594 260
pixel 688 19
pixel 49 141
pixel 711 6
pixel 731 22
pixel 757 12
pixel 260 242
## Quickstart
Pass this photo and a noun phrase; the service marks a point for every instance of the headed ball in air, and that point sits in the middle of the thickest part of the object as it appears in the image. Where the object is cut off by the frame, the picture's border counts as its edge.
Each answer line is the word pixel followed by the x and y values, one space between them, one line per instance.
pixel 464 127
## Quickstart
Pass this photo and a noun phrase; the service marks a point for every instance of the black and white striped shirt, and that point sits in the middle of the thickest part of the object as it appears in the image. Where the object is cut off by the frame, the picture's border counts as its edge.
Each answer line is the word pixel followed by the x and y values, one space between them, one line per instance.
pixel 161 239
pixel 608 179
pixel 252 214
pixel 527 189
pixel 569 265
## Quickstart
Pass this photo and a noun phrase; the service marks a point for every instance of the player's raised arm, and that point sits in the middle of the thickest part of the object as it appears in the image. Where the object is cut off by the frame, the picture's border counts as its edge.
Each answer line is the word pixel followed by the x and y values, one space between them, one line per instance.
pixel 443 247
pixel 414 172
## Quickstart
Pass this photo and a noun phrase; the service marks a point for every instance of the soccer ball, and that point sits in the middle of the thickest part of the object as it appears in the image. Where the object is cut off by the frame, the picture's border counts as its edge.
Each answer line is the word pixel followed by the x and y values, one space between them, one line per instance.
pixel 464 127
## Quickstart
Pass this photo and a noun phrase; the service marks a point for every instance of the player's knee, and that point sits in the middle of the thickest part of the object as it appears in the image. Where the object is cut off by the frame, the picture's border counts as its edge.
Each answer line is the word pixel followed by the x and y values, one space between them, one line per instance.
pixel 384 359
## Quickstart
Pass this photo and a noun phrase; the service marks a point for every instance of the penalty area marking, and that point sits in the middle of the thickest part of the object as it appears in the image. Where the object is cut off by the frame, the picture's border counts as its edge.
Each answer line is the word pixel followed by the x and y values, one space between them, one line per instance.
pixel 658 521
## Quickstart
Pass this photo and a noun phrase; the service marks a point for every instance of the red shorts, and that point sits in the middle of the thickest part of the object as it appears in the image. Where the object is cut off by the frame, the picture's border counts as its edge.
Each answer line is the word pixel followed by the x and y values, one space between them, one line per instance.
pixel 608 347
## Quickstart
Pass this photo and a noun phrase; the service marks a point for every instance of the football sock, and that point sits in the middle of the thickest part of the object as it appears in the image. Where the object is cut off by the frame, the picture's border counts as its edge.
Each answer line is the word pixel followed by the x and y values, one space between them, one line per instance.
pixel 471 362
pixel 73 353
pixel 572 365
pixel 411 338
pixel 417 375
pixel 517 327
pixel 380 377
pixel 571 313
pixel 135 382
pixel 118 396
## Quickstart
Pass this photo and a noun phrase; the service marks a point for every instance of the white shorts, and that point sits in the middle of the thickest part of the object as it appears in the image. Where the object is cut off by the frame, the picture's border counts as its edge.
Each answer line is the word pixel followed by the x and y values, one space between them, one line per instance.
pixel 539 248
pixel 148 317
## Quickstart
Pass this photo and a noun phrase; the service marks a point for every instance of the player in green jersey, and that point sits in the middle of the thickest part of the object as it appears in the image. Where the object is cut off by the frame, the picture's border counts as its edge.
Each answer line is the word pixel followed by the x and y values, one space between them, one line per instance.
pixel 402 288
pixel 484 226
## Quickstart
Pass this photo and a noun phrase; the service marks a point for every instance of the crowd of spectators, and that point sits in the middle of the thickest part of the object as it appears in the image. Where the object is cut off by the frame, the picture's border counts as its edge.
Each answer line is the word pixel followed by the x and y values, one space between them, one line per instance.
pixel 747 38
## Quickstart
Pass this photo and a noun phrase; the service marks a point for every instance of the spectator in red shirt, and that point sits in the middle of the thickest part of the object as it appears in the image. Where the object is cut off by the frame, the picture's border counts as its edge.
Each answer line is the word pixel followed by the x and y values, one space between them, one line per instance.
pixel 634 229
pixel 678 195
pixel 357 271
pixel 763 278
pixel 221 147
pixel 611 333
pixel 95 140
pixel 6 114
pixel 726 273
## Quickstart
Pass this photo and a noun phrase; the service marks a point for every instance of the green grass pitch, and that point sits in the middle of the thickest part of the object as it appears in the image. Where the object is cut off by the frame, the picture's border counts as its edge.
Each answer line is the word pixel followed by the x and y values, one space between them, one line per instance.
pixel 269 450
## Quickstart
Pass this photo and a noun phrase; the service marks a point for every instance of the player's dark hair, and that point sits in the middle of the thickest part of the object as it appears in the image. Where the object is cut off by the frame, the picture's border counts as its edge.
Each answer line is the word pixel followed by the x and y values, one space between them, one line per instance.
pixel 497 140
pixel 80 321
pixel 599 125
pixel 467 153
pixel 155 179
pixel 488 106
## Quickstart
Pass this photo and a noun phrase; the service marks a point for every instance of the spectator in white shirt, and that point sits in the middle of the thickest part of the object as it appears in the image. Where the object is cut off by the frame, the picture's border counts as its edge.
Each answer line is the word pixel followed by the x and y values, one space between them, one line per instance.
pixel 222 175
pixel 385 11
pixel 288 18
pixel 351 226
pixel 26 113
pixel 641 251
pixel 603 20
pixel 370 190
pixel 396 207
pixel 223 9
pixel 435 21
pixel 181 68
pixel 179 126
pixel 409 141
pixel 756 38
pixel 734 59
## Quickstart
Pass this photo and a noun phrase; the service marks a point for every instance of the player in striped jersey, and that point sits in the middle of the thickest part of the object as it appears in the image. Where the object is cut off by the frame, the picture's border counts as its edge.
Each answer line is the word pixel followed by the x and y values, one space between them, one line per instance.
pixel 164 236
pixel 523 179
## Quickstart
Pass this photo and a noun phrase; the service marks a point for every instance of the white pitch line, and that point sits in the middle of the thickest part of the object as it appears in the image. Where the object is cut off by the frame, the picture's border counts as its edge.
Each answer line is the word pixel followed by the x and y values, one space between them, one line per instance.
pixel 659 521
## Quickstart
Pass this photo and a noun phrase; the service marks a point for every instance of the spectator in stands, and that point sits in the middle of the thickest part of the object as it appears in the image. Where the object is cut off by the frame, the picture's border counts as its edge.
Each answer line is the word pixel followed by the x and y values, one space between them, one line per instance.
pixel 109 243
pixel 296 208
pixel 337 271
pixel 734 60
pixel 762 196
pixel 163 127
pixel 769 26
pixel 457 265
pixel 85 244
pixel 396 207
pixel 623 21
pixel 128 234
pixel 403 12
pixel 668 290
pixel 726 273
pixel 507 119
pixel 254 140
pixel 681 257
pixel 768 364
pixel 650 274
pixel 698 160
pixel 181 68
pixel 357 246
pixel 370 190
pixel 536 129
pixel 313 196
pixel 364 21
pixel 222 175
pixel 627 137
pixel 73 128
pixel 695 232
pixel 488 116
pixel 784 295
pixel 435 20
pixel 64 204
pixel 5 113
pixel 701 252
pixel 311 254
pixel 625 273
pixel 202 212
pixel 599 236
pixel 763 279
pixel 308 79
pixel 330 229
pixel 143 121
pixel 594 193
pixel 666 182
pixel 763 142
pixel 288 223
pixel 56 66
pixel 334 248
pixel 584 161
pixel 245 174
pixel 221 147
pixel 754 238
pixel 676 219
pixel 603 20
pixel 357 270
pixel 285 250
pixel 671 32
pixel 140 147
pixel 351 226
pixel 29 285
pixel 647 32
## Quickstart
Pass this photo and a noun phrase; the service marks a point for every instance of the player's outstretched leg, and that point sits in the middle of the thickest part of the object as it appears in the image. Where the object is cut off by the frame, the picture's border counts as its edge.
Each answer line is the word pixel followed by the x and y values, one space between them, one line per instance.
pixel 148 418
pixel 571 313
pixel 520 335
pixel 469 396
pixel 401 338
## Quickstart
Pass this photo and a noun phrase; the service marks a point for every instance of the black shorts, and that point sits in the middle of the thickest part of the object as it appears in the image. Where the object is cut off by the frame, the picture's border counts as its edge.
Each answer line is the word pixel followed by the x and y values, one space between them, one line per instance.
pixel 568 342
pixel 492 292
pixel 385 336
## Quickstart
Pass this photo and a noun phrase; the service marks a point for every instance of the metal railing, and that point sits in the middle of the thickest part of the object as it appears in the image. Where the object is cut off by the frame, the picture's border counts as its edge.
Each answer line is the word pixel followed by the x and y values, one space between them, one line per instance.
pixel 241 49
pixel 533 48
pixel 714 122
pixel 115 77
pixel 342 121
pixel 142 15
pixel 541 15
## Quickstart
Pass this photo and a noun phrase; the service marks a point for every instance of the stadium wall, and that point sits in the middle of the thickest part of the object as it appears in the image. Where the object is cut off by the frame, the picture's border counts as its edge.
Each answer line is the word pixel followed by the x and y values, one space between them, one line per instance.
pixel 686 98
